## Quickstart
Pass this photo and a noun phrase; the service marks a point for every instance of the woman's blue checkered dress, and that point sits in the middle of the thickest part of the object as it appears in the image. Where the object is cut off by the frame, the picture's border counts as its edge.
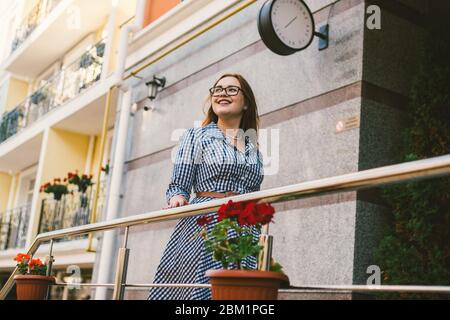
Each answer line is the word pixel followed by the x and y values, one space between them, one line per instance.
pixel 206 161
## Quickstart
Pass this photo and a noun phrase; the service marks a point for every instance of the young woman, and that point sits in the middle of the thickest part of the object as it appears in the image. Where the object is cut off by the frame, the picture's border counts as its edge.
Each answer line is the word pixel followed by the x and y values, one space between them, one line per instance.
pixel 218 160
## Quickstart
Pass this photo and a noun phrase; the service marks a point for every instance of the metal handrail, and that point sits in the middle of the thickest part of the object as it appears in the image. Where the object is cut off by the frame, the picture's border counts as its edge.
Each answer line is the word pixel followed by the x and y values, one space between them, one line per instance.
pixel 300 289
pixel 414 170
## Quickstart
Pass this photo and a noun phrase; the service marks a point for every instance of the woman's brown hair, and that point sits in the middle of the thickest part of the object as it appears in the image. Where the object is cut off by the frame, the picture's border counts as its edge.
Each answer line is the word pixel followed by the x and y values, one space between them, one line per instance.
pixel 250 117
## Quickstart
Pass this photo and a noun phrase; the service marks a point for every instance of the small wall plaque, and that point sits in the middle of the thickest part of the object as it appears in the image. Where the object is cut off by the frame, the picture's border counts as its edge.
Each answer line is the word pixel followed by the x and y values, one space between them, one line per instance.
pixel 348 124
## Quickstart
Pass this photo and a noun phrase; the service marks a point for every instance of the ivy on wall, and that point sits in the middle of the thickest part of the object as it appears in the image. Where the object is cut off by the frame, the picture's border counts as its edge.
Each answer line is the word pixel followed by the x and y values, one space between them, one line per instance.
pixel 416 247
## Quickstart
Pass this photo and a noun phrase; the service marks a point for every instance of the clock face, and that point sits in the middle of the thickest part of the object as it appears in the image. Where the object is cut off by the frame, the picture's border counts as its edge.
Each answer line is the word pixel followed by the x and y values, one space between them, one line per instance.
pixel 293 23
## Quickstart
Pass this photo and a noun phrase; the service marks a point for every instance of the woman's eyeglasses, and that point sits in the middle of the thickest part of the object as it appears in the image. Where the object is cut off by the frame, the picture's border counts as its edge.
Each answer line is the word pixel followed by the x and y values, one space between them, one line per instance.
pixel 230 91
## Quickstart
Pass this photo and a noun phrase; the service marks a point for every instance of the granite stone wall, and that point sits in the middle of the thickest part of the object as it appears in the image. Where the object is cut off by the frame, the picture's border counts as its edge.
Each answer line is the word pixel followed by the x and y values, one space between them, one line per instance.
pixel 364 74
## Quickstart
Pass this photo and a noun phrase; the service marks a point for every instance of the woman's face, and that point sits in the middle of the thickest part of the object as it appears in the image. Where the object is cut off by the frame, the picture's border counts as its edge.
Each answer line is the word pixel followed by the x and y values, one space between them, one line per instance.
pixel 228 105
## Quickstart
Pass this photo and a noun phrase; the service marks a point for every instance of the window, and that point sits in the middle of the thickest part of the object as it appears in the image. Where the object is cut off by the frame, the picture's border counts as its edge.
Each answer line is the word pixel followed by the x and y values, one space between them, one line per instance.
pixel 26 188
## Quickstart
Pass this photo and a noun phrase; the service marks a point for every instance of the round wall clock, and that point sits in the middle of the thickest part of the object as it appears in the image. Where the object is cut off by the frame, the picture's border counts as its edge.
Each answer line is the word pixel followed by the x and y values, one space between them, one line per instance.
pixel 286 26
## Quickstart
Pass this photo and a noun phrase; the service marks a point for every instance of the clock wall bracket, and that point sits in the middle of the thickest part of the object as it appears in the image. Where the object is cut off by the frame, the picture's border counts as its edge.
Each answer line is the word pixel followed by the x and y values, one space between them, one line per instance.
pixel 323 35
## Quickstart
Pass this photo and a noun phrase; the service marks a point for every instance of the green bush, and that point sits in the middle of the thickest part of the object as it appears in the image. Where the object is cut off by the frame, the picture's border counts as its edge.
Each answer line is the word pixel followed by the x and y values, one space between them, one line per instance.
pixel 416 247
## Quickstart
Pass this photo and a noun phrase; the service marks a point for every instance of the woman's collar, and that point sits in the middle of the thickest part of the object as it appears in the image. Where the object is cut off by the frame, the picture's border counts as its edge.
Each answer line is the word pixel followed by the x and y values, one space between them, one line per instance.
pixel 212 130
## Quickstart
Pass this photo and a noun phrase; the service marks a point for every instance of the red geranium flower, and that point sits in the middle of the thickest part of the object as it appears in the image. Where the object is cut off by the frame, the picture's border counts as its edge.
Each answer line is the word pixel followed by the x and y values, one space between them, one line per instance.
pixel 20 257
pixel 264 212
pixel 35 263
pixel 247 212
pixel 247 217
pixel 230 210
pixel 202 221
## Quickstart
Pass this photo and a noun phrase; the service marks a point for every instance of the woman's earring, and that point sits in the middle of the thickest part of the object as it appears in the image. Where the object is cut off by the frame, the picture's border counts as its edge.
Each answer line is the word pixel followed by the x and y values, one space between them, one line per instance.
pixel 245 107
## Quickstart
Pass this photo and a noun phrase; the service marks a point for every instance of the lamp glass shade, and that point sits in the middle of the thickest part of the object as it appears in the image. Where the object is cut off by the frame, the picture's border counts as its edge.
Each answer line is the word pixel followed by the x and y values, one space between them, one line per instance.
pixel 152 90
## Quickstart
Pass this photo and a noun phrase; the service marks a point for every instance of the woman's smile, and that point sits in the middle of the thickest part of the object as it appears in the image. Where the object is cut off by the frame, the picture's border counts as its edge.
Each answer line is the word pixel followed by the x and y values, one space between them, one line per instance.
pixel 224 102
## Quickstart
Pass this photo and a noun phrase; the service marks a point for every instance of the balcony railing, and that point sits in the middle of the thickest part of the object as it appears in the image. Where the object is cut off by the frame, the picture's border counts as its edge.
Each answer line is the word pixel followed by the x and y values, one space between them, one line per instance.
pixel 59 89
pixel 14 227
pixel 72 210
pixel 39 12
pixel 10 123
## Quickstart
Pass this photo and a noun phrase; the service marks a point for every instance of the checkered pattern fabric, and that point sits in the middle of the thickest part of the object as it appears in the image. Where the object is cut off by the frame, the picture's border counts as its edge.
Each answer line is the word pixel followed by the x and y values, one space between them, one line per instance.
pixel 205 161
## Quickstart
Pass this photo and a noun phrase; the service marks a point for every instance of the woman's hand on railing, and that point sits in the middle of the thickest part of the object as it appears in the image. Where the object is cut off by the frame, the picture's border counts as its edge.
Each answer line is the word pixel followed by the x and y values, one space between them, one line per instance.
pixel 176 201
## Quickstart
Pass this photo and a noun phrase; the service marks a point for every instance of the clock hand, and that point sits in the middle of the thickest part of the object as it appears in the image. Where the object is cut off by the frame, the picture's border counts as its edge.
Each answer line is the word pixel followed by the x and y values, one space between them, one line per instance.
pixel 290 22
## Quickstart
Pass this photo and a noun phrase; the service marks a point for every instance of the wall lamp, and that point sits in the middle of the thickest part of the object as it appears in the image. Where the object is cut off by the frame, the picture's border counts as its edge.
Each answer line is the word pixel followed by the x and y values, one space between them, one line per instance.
pixel 154 87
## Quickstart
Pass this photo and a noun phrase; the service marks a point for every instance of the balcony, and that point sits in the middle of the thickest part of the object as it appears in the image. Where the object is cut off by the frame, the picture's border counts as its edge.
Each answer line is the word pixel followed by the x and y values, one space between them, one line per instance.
pixel 37 14
pixel 56 25
pixel 14 227
pixel 72 210
pixel 67 84
pixel 9 124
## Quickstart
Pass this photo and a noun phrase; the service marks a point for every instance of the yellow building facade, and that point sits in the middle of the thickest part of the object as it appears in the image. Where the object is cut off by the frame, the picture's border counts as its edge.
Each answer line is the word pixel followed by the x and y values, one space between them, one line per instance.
pixel 56 69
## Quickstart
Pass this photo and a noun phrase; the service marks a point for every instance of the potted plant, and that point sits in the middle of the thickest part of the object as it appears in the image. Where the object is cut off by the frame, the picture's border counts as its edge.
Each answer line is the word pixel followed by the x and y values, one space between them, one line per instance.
pixel 83 182
pixel 106 168
pixel 86 60
pixel 231 241
pixel 38 96
pixel 100 49
pixel 32 283
pixel 56 188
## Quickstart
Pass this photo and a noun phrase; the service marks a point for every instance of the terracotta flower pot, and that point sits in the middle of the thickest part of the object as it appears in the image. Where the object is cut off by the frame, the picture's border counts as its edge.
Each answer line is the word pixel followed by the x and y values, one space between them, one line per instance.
pixel 245 284
pixel 31 287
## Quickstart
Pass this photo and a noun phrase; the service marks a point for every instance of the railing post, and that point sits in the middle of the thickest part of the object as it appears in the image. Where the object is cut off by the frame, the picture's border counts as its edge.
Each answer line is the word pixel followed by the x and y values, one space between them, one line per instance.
pixel 50 259
pixel 2 222
pixel 22 227
pixel 8 235
pixel 49 267
pixel 62 208
pixel 265 256
pixel 122 267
